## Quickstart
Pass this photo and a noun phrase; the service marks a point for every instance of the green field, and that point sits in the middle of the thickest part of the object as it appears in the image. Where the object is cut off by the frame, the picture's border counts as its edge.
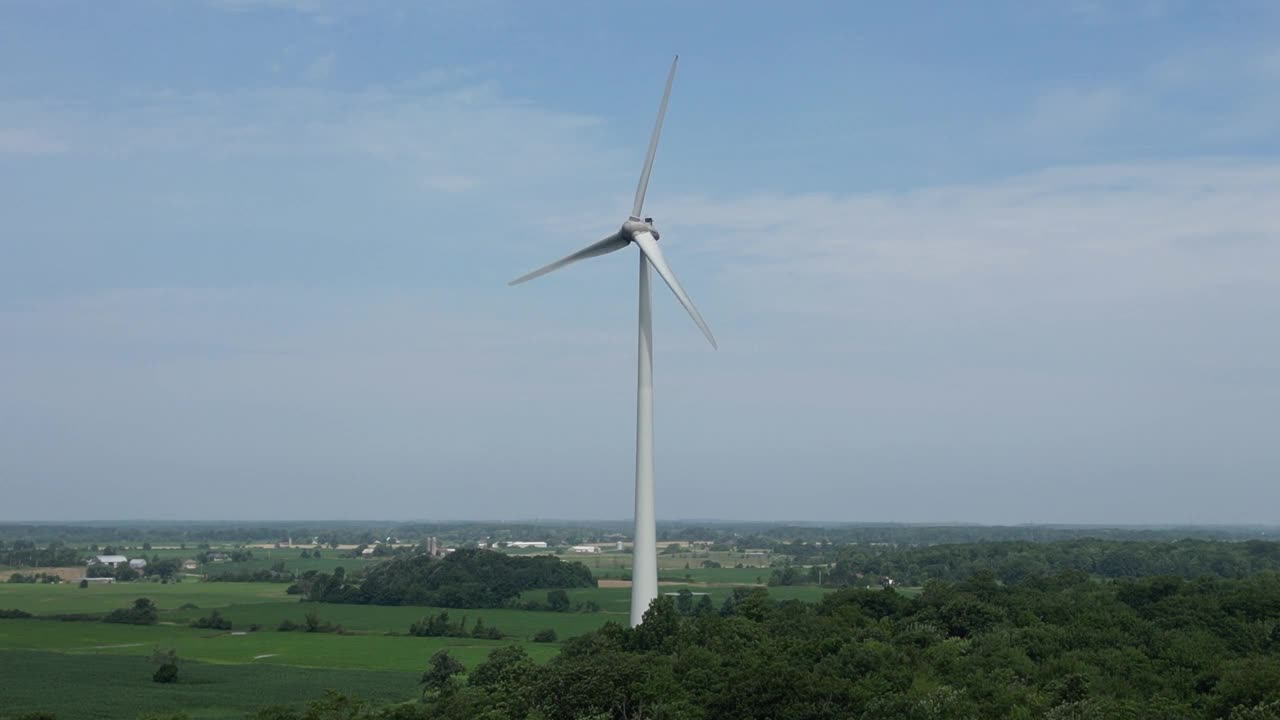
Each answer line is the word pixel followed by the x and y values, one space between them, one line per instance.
pixel 364 651
pixel 226 673
pixel 70 598
pixel 121 687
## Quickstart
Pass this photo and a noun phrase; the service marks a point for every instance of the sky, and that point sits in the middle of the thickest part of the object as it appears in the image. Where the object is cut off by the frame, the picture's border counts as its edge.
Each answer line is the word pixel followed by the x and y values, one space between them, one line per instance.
pixel 1008 262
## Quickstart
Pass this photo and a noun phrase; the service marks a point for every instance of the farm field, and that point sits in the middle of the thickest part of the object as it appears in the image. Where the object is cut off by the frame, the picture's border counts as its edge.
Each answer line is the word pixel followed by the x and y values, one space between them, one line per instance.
pixel 374 657
pixel 108 686
pixel 69 598
pixel 322 650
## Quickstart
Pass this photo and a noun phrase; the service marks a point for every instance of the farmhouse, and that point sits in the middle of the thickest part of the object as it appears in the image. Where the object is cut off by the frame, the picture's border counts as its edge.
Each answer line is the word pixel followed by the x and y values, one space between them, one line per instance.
pixel 111 561
pixel 527 544
pixel 190 564
pixel 584 549
pixel 218 557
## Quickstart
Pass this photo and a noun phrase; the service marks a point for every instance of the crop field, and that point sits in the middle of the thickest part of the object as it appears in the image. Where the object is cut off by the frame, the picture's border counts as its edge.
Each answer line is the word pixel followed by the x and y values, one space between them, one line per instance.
pixel 120 687
pixel 69 598
pixel 224 673
pixel 269 647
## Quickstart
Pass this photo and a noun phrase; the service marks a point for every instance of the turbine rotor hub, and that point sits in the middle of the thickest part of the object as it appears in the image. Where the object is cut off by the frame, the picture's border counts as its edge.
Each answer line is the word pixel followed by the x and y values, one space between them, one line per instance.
pixel 634 226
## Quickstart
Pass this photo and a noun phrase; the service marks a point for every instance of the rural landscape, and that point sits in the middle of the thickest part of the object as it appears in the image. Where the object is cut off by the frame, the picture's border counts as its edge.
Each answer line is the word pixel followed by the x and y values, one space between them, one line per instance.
pixel 639 360
pixel 467 620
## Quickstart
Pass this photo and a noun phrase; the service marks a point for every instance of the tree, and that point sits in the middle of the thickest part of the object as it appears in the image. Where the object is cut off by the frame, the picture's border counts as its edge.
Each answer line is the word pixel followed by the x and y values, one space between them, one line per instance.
pixel 508 666
pixel 545 636
pixel 558 601
pixel 84 584
pixel 684 602
pixel 167 659
pixel 438 677
pixel 143 612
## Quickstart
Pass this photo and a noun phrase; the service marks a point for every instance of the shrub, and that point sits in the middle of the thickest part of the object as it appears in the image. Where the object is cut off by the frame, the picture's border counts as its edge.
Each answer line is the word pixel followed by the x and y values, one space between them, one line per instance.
pixel 168 661
pixel 287 626
pixel 166 673
pixel 545 636
pixel 189 606
pixel 214 621
pixel 14 614
pixel 143 612
pixel 84 584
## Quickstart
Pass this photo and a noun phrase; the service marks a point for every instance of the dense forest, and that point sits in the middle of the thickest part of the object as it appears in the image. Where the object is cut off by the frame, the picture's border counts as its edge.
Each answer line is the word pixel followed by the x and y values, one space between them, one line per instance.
pixel 1059 647
pixel 464 579
pixel 1012 562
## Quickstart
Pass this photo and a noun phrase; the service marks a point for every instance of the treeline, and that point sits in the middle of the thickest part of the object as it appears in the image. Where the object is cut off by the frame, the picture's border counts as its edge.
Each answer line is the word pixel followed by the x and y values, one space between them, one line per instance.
pixel 463 579
pixel 1057 648
pixel 1014 562
pixel 25 553
pixel 786 538
pixel 441 626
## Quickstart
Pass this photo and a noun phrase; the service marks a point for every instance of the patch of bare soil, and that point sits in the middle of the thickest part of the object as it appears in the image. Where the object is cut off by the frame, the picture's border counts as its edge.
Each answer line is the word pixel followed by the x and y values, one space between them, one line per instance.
pixel 66 573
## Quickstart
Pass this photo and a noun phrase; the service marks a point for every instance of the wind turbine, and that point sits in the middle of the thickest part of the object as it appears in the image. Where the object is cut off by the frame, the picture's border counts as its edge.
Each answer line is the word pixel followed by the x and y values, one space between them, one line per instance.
pixel 639 230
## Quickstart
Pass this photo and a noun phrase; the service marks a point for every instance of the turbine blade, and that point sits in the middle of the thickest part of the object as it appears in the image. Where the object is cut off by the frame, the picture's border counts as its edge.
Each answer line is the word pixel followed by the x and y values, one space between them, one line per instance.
pixel 604 247
pixel 649 247
pixel 638 205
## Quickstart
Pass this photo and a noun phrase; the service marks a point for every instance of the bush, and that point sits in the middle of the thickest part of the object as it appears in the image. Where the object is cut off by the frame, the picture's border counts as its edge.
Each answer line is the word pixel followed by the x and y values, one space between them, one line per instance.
pixel 84 584
pixel 558 601
pixel 14 614
pixel 287 626
pixel 166 673
pixel 189 606
pixel 143 612
pixel 214 621
pixel 168 661
pixel 545 636
pixel 483 632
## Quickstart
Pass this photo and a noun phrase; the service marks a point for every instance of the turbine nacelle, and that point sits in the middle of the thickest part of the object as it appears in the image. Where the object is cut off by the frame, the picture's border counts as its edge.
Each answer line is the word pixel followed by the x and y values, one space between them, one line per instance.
pixel 634 227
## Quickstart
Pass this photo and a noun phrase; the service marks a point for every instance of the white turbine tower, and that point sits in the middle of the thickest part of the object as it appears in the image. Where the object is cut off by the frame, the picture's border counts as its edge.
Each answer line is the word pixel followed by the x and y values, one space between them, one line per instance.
pixel 640 231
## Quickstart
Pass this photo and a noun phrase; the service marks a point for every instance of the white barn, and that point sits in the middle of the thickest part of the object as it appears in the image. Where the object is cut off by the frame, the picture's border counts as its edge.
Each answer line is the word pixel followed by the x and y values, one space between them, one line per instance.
pixel 111 561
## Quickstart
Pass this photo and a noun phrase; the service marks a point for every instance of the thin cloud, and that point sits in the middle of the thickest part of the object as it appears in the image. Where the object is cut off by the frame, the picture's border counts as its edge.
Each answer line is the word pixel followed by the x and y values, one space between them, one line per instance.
pixel 23 141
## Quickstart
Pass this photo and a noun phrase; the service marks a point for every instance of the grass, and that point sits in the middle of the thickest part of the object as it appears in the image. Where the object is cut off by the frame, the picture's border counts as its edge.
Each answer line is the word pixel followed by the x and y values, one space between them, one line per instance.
pixel 268 647
pixel 371 648
pixel 120 687
pixel 516 624
pixel 69 597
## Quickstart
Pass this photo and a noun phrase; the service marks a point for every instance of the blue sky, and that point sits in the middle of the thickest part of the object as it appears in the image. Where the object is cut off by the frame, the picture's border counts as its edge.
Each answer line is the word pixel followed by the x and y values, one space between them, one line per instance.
pixel 1002 263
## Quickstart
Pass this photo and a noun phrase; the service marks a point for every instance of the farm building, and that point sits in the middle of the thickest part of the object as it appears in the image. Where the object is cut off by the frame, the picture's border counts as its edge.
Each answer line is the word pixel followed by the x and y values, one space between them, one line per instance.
pixel 111 561
pixel 98 580
pixel 527 544
pixel 138 564
pixel 190 564
pixel 367 552
pixel 218 557
pixel 584 549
